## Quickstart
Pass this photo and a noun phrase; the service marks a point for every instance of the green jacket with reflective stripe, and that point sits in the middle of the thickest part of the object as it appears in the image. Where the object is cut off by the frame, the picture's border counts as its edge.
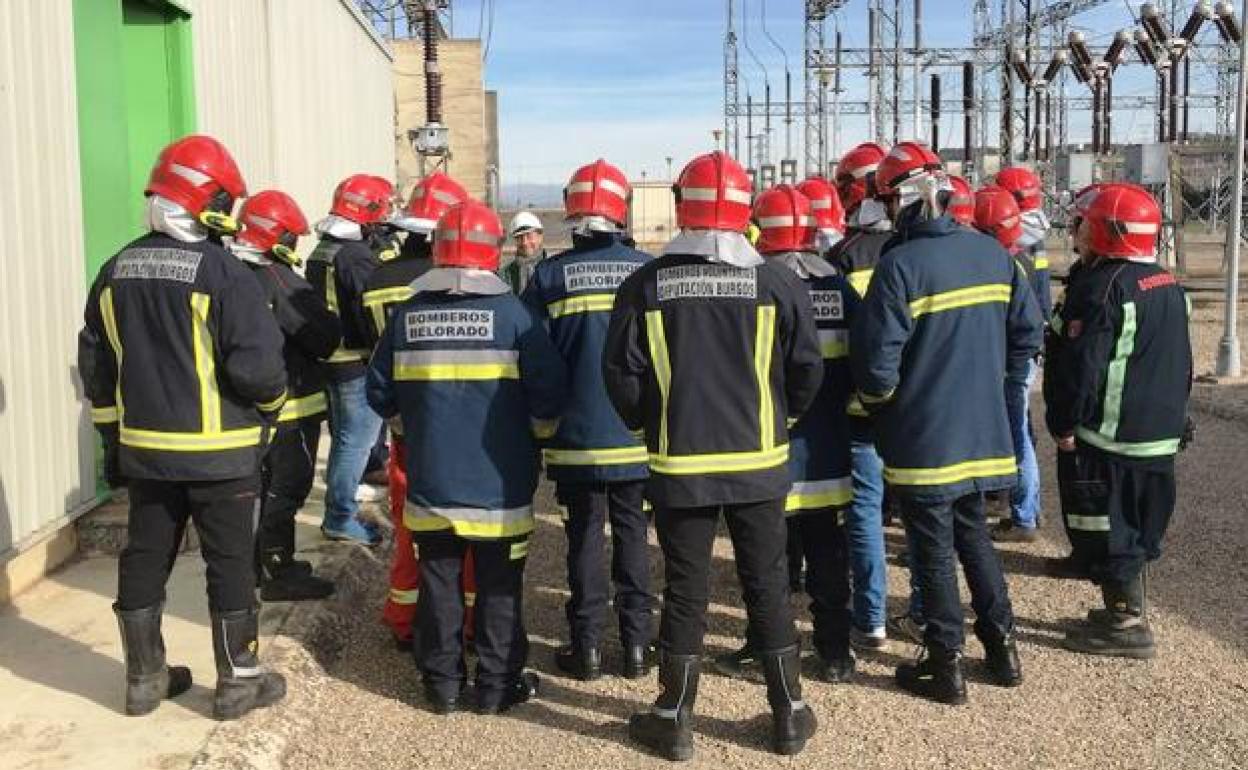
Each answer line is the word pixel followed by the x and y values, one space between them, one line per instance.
pixel 182 361
pixel 1118 368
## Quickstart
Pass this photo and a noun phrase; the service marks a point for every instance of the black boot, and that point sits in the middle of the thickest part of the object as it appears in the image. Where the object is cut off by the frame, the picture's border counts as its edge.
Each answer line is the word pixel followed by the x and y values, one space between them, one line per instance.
pixel 241 684
pixel 148 679
pixel 1001 658
pixel 636 660
pixel 792 720
pixel 288 580
pixel 521 690
pixel 1120 629
pixel 667 728
pixel 936 675
pixel 741 664
pixel 836 669
pixel 583 662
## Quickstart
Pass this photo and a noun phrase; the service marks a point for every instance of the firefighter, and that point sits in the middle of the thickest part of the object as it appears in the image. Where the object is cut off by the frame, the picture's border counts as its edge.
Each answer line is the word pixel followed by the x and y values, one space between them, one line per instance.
pixel 387 287
pixel 598 467
pixel 272 224
pixel 1117 388
pixel 182 363
pixel 961 201
pixel 339 268
pixel 819 456
pixel 869 229
pixel 477 382
pixel 932 332
pixel 710 351
pixel 1023 183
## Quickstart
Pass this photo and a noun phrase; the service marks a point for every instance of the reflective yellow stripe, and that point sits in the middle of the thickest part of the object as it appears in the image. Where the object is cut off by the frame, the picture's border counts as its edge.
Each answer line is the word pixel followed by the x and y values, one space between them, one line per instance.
pixel 205 364
pixel 1042 263
pixel 1088 523
pixel 102 415
pixel 855 408
pixel 485 530
pixel 398 596
pixel 764 337
pixel 331 288
pixel 869 398
pixel 625 455
pixel 426 372
pixel 275 404
pixel 190 442
pixel 377 299
pixel 298 408
pixel 346 355
pixel 952 474
pixel 812 495
pixel 662 369
pixel 729 462
pixel 544 429
pixel 519 550
pixel 1159 448
pixel 109 315
pixel 470 598
pixel 833 343
pixel 860 280
pixel 952 300
pixel 583 303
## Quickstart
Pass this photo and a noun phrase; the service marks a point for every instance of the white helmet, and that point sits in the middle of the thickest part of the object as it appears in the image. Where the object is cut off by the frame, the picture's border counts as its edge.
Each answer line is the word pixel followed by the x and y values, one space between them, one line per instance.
pixel 524 222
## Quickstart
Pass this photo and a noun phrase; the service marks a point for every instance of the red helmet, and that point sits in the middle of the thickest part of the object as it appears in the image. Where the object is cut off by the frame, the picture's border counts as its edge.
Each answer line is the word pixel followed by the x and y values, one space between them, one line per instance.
pixel 853 173
pixel 713 192
pixel 961 204
pixel 199 174
pixel 1124 220
pixel 468 235
pixel 433 197
pixel 905 162
pixel 786 221
pixel 363 199
pixel 1023 183
pixel 272 221
pixel 997 214
pixel 825 202
pixel 598 190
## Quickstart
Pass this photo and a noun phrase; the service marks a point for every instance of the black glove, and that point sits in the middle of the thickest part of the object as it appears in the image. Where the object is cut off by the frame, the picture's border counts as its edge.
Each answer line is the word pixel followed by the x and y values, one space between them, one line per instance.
pixel 1189 434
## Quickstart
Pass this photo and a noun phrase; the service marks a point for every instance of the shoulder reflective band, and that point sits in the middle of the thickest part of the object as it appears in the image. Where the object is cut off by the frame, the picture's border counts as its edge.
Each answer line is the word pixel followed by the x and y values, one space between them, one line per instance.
pixel 1159 448
pixel 104 415
pixel 834 343
pixel 432 365
pixel 492 523
pixel 728 462
pixel 952 474
pixel 625 455
pixel 662 369
pixel 764 342
pixel 110 329
pixel 1116 375
pixel 544 429
pixel 205 364
pixel 308 406
pixel 584 303
pixel 951 300
pixel 860 280
pixel 377 299
pixel 812 495
pixel 1087 523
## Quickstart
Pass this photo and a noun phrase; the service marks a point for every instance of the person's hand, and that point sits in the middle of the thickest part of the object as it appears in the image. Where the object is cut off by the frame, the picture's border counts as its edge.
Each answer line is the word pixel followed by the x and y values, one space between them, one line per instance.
pixel 1066 443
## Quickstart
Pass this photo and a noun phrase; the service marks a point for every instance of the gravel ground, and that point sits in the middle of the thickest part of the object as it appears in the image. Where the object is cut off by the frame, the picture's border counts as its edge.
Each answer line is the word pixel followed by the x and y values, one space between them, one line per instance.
pixel 355 701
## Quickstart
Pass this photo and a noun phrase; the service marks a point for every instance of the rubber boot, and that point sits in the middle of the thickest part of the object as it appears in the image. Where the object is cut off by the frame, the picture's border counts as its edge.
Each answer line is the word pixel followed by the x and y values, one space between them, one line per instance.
pixel 936 675
pixel 1001 659
pixel 1121 629
pixel 522 689
pixel 636 661
pixel 792 720
pixel 667 728
pixel 148 679
pixel 581 661
pixel 241 683
pixel 288 580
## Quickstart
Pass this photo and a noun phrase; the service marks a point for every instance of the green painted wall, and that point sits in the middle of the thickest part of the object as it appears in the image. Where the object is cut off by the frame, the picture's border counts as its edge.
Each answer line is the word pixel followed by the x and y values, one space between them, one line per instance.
pixel 135 94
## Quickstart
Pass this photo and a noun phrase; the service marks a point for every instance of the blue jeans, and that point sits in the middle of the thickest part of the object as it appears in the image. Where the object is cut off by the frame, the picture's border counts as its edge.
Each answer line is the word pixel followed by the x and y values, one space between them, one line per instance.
pixel 353 430
pixel 865 528
pixel 1025 497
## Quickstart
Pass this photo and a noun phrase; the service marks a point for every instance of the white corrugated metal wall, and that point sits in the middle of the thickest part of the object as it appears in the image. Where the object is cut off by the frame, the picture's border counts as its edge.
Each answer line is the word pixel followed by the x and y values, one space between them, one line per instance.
pixel 300 90
pixel 46 448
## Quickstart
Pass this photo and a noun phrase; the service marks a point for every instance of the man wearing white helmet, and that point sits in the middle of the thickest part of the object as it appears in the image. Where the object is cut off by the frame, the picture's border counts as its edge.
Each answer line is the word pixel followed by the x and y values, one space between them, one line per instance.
pixel 526 231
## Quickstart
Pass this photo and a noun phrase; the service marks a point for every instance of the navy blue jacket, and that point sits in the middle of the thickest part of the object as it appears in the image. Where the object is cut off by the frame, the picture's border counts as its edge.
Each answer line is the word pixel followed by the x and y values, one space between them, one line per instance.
pixel 573 292
pixel 477 383
pixel 948 319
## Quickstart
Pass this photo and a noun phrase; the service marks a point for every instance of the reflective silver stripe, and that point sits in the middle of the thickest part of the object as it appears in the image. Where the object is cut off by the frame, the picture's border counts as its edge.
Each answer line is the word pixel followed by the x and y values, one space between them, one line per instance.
pixel 445 197
pixel 862 171
pixel 423 357
pixel 1141 228
pixel 241 672
pixel 500 516
pixel 710 194
pixel 613 187
pixel 193 175
pixel 819 204
pixel 603 184
pixel 766 223
pixel 1088 523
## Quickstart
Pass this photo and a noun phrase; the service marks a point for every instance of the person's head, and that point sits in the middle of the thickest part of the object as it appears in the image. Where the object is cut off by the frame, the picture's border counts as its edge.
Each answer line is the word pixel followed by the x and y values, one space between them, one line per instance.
pixel 432 197
pixel 960 202
pixel 713 192
pixel 469 235
pixel 997 214
pixel 1116 221
pixel 1023 184
pixel 855 174
pixel 786 221
pixel 825 204
pixel 199 175
pixel 598 191
pixel 911 173
pixel 363 199
pixel 526 232
pixel 272 223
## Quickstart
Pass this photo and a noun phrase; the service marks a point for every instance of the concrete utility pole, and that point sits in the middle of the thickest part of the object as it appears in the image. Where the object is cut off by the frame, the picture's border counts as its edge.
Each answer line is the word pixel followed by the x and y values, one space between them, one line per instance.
pixel 1228 347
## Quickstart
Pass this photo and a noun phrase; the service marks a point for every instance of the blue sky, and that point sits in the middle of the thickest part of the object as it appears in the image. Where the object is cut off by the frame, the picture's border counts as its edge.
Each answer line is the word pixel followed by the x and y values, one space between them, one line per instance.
pixel 637 81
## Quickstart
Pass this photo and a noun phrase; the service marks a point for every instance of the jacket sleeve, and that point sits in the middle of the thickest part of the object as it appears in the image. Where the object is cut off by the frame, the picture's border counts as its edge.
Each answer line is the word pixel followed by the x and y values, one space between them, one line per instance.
pixel 799 341
pixel 543 375
pixel 306 318
pixel 379 385
pixel 352 268
pixel 97 362
pixel 249 342
pixel 879 334
pixel 1024 327
pixel 626 357
pixel 1081 347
